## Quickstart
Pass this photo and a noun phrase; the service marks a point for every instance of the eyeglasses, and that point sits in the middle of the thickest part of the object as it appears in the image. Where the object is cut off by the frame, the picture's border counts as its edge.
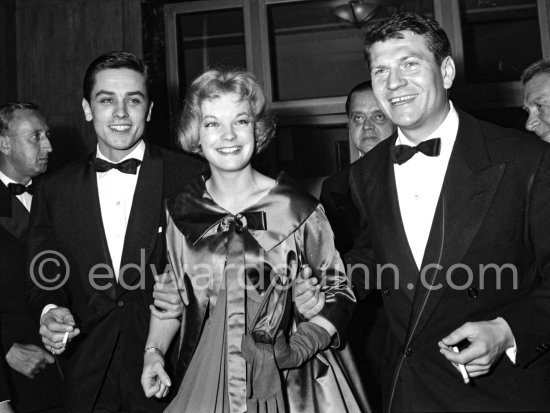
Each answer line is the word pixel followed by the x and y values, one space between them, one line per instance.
pixel 359 119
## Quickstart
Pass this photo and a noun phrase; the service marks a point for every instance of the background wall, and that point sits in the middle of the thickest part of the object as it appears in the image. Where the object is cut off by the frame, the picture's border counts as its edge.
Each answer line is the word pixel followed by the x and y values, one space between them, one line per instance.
pixel 46 45
pixel 55 40
pixel 7 51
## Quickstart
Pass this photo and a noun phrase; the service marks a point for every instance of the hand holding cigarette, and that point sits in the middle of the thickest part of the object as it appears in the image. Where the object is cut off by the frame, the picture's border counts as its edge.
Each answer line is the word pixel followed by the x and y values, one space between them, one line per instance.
pixel 462 368
pixel 58 328
pixel 445 349
pixel 481 345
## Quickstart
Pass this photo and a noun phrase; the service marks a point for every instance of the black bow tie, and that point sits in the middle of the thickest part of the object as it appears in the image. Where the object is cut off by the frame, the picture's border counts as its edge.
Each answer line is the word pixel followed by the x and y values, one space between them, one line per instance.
pixel 402 153
pixel 18 189
pixel 129 166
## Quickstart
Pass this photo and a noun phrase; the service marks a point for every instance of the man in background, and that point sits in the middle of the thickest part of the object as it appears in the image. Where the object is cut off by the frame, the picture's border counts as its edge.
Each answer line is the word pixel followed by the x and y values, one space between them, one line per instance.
pixel 24 150
pixel 103 218
pixel 536 98
pixel 5 395
pixel 368 126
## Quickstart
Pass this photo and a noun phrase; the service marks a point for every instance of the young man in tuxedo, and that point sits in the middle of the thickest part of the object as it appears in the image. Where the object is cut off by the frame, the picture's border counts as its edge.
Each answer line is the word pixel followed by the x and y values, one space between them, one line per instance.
pixel 536 98
pixel 24 150
pixel 368 125
pixel 102 218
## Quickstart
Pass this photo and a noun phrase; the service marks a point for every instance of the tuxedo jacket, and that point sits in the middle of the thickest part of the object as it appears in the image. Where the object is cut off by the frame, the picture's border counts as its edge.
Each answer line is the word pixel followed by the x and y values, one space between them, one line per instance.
pixel 66 225
pixel 17 326
pixel 341 212
pixel 4 389
pixel 367 329
pixel 487 256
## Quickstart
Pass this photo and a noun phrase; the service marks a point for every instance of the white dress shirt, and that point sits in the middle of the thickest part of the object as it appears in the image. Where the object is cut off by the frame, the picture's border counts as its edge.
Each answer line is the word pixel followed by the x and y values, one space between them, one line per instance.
pixel 116 193
pixel 419 181
pixel 25 197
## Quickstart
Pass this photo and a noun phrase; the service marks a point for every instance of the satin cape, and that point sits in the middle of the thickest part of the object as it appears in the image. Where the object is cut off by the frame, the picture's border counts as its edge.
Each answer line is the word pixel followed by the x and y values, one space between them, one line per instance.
pixel 237 273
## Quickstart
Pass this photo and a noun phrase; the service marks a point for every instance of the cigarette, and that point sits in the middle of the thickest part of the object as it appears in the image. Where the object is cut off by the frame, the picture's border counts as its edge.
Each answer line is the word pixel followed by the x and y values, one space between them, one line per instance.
pixel 65 338
pixel 462 368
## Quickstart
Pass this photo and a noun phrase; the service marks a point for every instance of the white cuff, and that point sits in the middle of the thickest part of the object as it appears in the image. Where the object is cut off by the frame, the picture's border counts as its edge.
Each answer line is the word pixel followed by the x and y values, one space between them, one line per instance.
pixel 45 310
pixel 512 352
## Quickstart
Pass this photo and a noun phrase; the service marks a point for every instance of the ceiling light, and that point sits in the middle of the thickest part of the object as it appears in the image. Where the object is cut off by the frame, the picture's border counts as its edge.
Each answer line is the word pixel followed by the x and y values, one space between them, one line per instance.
pixel 357 12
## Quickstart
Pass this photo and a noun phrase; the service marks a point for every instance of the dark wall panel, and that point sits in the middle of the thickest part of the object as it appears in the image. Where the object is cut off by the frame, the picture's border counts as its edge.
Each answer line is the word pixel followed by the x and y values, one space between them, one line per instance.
pixel 8 79
pixel 56 40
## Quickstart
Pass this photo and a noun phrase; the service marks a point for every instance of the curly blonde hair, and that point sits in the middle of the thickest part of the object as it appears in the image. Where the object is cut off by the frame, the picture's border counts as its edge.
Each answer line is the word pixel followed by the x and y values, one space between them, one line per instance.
pixel 210 85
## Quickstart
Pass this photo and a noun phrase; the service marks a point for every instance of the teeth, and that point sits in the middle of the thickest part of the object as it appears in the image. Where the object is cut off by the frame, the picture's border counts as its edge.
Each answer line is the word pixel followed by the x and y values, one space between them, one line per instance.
pixel 402 99
pixel 120 128
pixel 232 149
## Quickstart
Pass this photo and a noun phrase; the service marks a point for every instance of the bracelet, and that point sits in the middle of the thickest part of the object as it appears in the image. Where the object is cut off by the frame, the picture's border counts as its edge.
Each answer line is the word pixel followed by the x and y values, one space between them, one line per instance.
pixel 153 350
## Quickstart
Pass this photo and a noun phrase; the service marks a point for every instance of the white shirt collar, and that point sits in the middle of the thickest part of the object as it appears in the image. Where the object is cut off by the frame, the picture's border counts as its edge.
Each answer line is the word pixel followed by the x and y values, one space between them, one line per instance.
pixel 447 131
pixel 7 180
pixel 138 152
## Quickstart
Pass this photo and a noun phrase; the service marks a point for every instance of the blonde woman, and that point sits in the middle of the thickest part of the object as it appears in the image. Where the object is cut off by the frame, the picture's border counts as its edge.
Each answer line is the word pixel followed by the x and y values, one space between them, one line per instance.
pixel 237 240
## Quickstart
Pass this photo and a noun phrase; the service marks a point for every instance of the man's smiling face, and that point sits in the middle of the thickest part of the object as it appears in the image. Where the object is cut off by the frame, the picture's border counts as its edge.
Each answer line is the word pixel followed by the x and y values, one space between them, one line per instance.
pixel 410 85
pixel 119 108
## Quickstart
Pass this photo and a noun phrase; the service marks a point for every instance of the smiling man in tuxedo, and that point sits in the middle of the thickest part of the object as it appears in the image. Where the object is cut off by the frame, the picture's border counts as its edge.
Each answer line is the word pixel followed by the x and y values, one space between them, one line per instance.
pixel 102 217
pixel 458 208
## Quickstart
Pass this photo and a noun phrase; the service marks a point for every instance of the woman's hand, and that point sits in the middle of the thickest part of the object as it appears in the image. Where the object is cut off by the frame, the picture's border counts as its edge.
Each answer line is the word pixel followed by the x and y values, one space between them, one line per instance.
pixel 307 294
pixel 154 379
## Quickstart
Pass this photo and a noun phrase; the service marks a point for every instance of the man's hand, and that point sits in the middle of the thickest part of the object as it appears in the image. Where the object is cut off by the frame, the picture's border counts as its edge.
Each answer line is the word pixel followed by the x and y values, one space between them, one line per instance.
pixel 53 326
pixel 154 379
pixel 28 359
pixel 307 294
pixel 488 340
pixel 169 300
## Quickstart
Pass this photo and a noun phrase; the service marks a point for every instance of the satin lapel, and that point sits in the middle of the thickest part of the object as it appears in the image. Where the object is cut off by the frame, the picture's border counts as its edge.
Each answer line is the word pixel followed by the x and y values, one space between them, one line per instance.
pixel 145 216
pixel 381 193
pixel 14 217
pixel 87 213
pixel 469 187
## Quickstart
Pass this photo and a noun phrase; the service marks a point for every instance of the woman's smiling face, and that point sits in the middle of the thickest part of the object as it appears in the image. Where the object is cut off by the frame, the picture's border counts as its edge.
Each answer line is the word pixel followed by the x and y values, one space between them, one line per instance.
pixel 226 132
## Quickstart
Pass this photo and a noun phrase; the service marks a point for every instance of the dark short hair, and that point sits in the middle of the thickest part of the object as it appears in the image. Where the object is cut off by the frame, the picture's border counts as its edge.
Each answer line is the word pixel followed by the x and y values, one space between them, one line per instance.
pixel 359 88
pixel 115 60
pixel 391 28
pixel 7 113
pixel 210 85
pixel 534 69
